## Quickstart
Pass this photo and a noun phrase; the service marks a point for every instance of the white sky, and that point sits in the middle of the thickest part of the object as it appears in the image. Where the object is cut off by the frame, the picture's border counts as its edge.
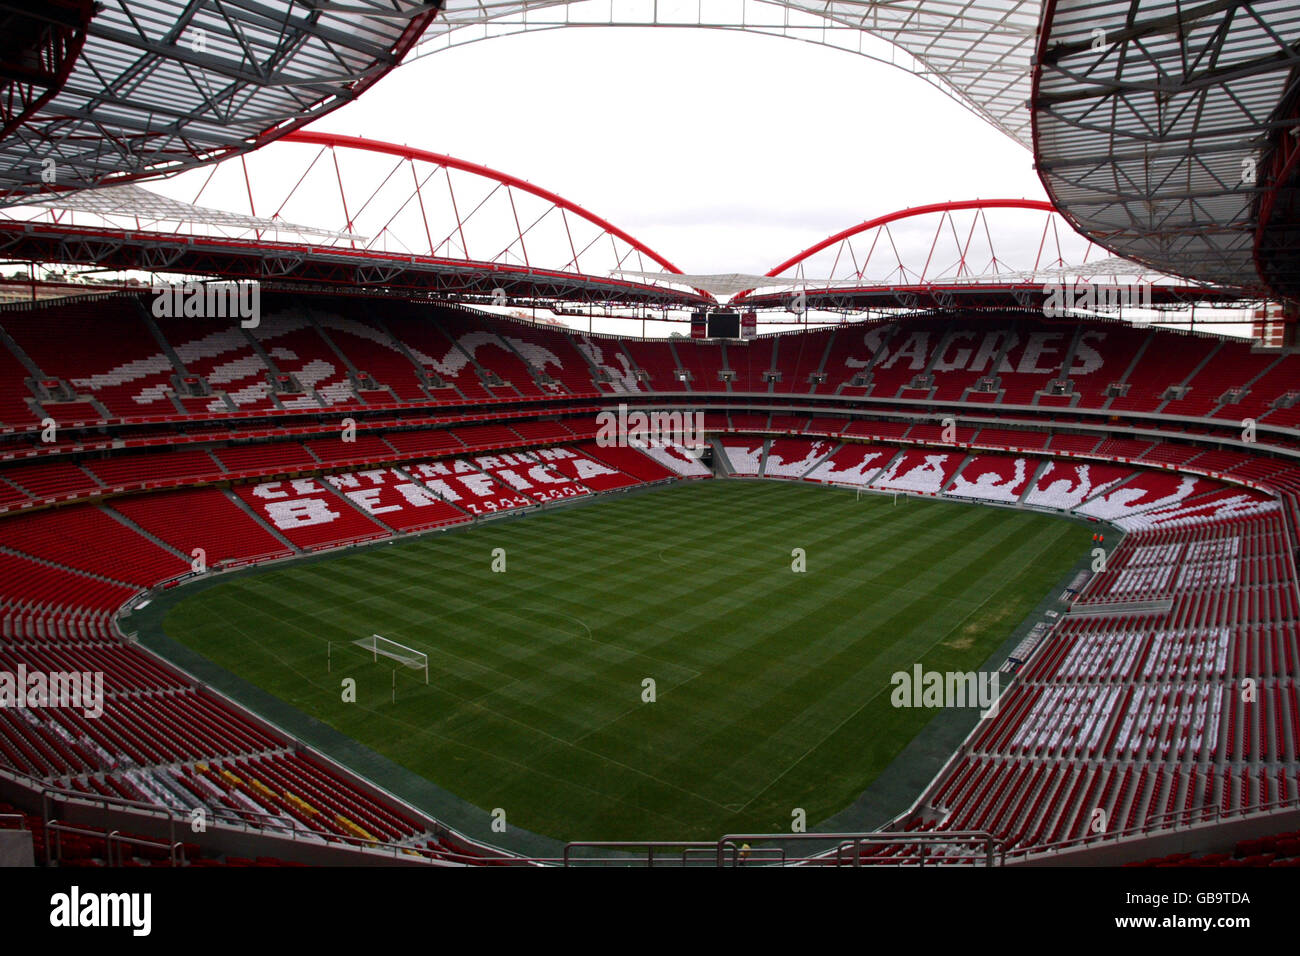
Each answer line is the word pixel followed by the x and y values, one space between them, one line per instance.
pixel 724 152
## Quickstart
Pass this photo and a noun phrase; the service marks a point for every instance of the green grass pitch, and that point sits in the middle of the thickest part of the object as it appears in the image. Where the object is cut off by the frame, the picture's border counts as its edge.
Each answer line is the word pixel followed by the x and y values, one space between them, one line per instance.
pixel 772 686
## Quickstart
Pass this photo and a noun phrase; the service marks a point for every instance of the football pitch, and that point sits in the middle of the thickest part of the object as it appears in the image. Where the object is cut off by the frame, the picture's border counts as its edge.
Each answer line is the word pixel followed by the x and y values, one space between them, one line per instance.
pixel 647 666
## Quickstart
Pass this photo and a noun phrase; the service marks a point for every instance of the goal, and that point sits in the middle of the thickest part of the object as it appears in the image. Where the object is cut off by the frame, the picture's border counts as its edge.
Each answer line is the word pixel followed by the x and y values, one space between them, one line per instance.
pixel 380 646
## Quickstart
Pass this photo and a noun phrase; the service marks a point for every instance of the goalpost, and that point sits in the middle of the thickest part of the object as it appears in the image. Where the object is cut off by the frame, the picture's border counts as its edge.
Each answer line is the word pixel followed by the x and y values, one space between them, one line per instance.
pixel 858 496
pixel 408 656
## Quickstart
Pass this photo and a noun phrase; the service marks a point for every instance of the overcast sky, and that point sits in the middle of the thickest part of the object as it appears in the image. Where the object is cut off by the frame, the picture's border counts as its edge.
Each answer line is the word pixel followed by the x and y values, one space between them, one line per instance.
pixel 724 152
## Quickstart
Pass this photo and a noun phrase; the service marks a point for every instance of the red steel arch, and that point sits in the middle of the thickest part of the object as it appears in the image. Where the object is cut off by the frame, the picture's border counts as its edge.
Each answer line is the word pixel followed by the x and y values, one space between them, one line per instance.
pixel 335 140
pixel 959 264
pixel 332 209
pixel 911 212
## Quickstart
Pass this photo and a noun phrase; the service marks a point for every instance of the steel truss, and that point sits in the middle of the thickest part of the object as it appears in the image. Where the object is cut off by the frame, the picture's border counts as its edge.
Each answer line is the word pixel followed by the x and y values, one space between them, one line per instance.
pixel 163 85
pixel 980 253
pixel 1164 130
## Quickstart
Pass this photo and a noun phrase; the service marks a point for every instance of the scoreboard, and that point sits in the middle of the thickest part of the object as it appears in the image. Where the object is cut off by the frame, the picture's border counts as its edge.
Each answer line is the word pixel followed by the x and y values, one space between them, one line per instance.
pixel 722 325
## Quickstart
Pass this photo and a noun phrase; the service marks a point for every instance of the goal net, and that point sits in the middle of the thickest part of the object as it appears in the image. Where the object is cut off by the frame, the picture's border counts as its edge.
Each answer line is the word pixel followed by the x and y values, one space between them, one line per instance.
pixel 383 647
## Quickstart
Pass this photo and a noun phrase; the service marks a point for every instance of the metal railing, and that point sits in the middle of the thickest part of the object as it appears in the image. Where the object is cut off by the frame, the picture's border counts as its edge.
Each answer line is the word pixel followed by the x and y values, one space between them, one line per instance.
pixel 984 848
pixel 986 843
pixel 118 840
pixel 773 849
pixel 667 850
pixel 115 844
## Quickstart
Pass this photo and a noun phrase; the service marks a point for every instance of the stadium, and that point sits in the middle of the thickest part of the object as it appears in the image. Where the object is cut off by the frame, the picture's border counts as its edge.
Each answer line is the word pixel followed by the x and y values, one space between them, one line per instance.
pixel 365 505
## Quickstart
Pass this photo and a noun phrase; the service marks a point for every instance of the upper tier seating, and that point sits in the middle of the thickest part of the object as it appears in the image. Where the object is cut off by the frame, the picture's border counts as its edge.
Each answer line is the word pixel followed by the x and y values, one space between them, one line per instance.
pixel 15 396
pixel 373 353
pixel 311 353
pixel 495 353
pixel 704 362
pixel 751 360
pixel 221 354
pixel 553 353
pixel 440 355
pixel 797 360
pixel 606 355
pixel 657 361
pixel 293 347
pixel 126 371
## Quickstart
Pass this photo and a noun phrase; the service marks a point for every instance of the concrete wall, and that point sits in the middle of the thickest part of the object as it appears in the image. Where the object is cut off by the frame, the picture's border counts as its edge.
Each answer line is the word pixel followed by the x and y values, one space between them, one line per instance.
pixel 16 848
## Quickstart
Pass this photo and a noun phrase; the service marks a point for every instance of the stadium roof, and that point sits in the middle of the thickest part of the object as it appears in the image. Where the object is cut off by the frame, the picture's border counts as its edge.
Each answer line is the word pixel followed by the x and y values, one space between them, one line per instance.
pixel 969 253
pixel 162 85
pixel 1163 130
pixel 418 223
pixel 130 201
pixel 425 223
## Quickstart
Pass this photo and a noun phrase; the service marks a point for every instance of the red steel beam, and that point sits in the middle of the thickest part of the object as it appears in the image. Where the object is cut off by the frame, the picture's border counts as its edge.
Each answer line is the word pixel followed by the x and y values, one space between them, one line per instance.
pixel 939 207
pixel 334 140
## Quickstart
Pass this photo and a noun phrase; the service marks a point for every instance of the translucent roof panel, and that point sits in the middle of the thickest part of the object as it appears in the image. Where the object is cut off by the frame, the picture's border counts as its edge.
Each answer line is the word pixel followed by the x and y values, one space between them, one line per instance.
pixel 1156 124
pixel 161 85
